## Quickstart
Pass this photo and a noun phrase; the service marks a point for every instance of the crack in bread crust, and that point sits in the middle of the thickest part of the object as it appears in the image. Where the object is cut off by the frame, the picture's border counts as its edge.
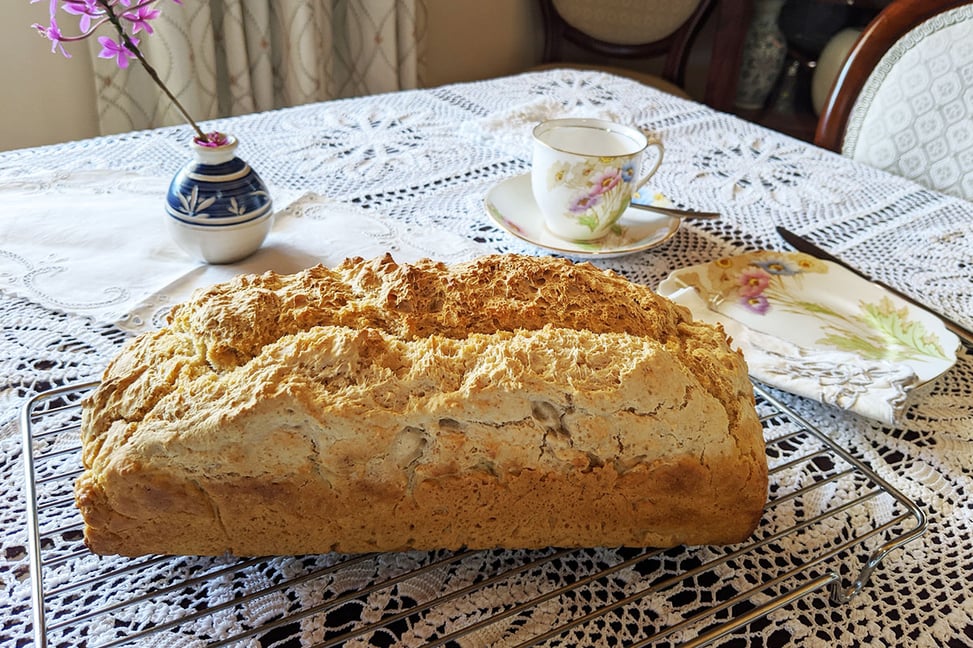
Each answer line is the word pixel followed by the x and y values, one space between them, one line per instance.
pixel 506 402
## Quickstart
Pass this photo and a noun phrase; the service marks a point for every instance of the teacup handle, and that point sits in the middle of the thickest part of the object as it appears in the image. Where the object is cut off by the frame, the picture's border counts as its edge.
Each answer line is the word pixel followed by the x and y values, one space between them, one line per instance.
pixel 651 140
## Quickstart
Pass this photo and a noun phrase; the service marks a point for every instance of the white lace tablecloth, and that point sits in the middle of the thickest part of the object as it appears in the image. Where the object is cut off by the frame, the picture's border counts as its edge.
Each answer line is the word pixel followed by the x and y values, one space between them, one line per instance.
pixel 85 262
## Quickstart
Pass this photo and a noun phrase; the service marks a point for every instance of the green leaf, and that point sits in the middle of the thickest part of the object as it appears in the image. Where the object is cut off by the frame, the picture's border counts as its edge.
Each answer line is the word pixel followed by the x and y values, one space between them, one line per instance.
pixel 898 329
pixel 812 307
pixel 589 221
pixel 868 348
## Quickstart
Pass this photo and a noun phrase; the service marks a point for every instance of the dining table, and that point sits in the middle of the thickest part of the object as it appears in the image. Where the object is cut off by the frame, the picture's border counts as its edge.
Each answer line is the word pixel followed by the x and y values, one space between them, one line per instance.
pixel 867 538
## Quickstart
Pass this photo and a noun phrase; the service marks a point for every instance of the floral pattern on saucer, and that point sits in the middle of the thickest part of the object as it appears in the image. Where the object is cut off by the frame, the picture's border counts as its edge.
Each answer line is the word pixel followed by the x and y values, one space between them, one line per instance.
pixel 815 329
pixel 763 282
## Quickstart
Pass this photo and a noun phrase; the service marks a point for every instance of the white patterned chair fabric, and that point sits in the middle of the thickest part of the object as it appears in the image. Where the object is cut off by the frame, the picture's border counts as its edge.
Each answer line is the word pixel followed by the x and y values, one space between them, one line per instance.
pixel 911 112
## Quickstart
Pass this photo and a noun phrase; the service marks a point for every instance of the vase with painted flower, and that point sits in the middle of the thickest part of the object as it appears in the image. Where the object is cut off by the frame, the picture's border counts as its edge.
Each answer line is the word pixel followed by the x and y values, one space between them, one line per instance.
pixel 218 209
pixel 764 54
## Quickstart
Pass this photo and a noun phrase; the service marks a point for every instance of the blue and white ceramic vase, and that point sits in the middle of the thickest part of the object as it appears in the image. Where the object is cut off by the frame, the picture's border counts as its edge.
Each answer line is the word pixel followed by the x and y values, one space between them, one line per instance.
pixel 218 209
pixel 764 53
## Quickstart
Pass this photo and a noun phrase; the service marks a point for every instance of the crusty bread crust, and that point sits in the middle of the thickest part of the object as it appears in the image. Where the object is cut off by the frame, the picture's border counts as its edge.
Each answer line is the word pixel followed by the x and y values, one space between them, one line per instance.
pixel 510 401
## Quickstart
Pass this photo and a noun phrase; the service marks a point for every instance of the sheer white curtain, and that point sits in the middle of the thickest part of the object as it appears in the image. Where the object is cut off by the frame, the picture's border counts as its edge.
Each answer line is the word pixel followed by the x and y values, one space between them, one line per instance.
pixel 231 57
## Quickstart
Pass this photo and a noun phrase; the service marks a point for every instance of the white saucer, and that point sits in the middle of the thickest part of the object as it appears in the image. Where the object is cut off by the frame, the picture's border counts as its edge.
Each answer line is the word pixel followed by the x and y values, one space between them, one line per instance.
pixel 510 204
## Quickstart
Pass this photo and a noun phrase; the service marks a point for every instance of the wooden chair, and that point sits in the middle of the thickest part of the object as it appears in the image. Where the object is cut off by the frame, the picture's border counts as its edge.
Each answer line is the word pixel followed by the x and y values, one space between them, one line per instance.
pixel 606 31
pixel 902 100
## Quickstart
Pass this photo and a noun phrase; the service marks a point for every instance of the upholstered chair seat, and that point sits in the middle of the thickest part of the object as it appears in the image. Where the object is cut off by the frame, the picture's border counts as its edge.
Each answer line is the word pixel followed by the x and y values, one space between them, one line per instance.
pixel 620 36
pixel 911 112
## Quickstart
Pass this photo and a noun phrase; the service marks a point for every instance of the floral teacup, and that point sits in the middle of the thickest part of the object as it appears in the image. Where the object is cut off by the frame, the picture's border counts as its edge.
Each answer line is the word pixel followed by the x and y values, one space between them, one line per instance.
pixel 584 172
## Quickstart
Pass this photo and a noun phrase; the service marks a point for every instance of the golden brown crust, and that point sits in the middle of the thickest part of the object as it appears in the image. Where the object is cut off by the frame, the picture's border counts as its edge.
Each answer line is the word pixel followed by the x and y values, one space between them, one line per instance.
pixel 510 401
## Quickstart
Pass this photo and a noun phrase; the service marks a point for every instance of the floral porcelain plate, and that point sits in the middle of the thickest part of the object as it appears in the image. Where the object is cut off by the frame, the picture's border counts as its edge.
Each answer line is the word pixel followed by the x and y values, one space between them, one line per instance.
pixel 814 328
pixel 511 205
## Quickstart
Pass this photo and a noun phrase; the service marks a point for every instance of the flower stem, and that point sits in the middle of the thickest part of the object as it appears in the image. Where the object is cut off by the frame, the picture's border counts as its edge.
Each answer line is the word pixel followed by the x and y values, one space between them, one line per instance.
pixel 133 48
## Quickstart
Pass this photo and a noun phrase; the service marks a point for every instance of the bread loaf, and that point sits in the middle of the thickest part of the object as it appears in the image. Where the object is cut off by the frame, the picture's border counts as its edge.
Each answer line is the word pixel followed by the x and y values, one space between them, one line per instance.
pixel 510 401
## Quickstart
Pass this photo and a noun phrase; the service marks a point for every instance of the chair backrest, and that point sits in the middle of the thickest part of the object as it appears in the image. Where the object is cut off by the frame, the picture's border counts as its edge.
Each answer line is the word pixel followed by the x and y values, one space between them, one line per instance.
pixel 902 100
pixel 645 29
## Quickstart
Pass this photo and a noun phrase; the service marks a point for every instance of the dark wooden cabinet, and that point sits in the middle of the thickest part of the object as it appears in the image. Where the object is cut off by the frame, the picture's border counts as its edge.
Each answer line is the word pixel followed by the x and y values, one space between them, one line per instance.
pixel 807 26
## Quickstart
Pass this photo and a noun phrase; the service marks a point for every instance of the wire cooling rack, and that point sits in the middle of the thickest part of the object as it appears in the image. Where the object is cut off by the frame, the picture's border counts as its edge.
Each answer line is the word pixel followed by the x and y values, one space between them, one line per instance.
pixel 828 524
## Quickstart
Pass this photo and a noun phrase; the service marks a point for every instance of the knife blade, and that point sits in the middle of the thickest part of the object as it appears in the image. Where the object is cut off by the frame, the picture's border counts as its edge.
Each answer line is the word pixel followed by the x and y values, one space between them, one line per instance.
pixel 801 244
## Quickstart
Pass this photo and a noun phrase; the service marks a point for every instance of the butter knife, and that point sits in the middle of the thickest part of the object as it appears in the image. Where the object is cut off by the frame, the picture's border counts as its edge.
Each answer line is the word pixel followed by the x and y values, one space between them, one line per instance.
pixel 801 244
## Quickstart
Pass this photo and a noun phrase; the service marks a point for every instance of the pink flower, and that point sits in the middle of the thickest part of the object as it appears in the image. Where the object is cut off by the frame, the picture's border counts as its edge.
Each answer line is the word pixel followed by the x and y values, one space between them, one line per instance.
pixel 140 18
pixel 53 32
pixel 126 18
pixel 753 282
pixel 117 51
pixel 606 181
pixel 87 9
pixel 213 139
